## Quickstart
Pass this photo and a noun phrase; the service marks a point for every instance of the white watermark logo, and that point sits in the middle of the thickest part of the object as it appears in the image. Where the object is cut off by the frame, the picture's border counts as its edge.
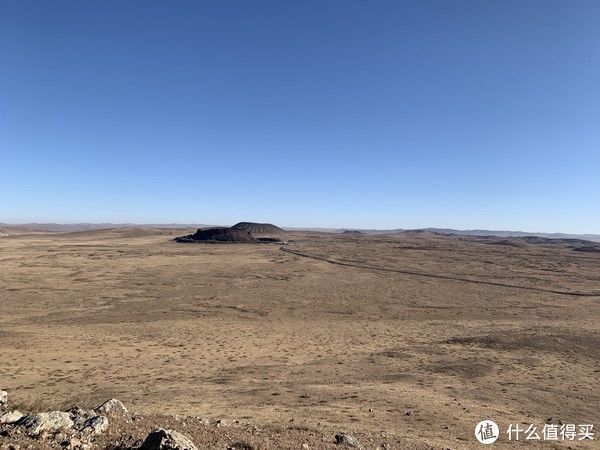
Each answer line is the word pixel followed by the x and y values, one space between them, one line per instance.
pixel 487 431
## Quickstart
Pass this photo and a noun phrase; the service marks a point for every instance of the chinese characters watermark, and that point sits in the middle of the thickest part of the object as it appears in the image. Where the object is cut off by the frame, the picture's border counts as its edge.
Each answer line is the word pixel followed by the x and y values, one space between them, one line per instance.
pixel 550 432
pixel 487 432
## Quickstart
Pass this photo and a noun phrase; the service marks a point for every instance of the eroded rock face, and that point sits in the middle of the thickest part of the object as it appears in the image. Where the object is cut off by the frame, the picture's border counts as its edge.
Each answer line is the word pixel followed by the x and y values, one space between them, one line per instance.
pixel 112 407
pixel 48 421
pixel 161 439
pixel 11 417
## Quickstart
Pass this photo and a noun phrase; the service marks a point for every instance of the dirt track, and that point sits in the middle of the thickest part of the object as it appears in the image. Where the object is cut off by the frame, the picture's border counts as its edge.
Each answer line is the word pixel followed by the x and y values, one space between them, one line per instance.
pixel 444 277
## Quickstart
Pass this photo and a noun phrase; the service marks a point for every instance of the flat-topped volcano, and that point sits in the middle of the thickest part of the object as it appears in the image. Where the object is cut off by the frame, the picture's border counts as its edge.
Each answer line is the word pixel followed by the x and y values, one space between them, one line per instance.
pixel 258 228
pixel 218 235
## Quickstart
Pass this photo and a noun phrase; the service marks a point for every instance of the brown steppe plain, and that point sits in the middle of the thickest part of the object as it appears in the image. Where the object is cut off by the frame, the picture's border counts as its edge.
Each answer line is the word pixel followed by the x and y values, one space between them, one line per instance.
pixel 407 339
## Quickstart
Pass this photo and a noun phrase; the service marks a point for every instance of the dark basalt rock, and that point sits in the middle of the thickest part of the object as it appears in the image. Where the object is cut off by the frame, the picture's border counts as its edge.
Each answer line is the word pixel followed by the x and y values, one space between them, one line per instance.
pixel 218 235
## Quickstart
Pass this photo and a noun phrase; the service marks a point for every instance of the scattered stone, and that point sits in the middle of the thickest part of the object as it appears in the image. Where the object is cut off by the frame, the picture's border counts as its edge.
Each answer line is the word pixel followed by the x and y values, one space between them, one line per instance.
pixel 161 439
pixel 305 446
pixel 11 417
pixel 221 423
pixel 3 399
pixel 48 421
pixel 241 446
pixel 346 439
pixel 554 420
pixel 60 437
pixel 112 407
pixel 71 444
pixel 408 413
pixel 10 447
pixel 95 425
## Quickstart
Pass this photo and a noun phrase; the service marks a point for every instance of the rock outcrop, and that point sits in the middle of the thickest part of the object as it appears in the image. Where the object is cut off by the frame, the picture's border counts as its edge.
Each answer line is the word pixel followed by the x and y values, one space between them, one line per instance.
pixel 110 426
pixel 47 421
pixel 76 428
pixel 218 235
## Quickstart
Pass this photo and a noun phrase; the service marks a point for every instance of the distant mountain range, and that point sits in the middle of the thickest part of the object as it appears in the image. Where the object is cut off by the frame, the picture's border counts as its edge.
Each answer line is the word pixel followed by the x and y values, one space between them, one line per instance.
pixel 57 227
pixel 502 233
pixel 71 227
pixel 451 231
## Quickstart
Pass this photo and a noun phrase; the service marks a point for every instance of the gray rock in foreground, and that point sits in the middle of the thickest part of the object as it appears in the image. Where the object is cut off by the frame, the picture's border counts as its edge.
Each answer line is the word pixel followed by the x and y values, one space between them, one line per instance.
pixel 11 417
pixel 347 439
pixel 48 421
pixel 161 439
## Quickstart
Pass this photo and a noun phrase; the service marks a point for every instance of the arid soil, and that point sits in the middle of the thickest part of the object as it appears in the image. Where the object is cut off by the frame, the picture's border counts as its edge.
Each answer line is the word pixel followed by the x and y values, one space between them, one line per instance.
pixel 407 339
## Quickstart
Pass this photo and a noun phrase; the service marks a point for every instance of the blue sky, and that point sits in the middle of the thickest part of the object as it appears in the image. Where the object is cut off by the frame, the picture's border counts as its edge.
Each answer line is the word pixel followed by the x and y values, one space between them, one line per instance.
pixel 386 114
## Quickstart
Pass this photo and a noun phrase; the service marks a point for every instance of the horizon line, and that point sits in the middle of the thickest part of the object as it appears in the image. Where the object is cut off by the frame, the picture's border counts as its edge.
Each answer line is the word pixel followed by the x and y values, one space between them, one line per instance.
pixel 295 227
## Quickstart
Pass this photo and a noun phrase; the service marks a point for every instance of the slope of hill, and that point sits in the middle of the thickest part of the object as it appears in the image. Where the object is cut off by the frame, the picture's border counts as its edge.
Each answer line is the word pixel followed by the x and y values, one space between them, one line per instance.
pixel 258 228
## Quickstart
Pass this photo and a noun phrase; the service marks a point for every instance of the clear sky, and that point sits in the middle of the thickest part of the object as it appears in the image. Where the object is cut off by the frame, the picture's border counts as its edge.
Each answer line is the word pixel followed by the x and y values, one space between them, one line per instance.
pixel 374 114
